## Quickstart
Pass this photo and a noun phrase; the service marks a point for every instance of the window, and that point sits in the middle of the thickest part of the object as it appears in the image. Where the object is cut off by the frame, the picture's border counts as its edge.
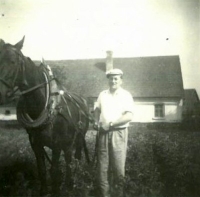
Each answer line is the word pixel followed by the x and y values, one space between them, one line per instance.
pixel 7 112
pixel 159 111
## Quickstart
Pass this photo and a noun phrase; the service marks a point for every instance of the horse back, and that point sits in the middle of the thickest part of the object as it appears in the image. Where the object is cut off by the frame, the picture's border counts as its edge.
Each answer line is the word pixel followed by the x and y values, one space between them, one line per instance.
pixel 75 111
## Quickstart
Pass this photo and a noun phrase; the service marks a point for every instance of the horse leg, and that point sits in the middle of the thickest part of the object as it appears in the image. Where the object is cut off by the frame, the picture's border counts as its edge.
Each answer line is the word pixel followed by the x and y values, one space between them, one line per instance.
pixel 40 158
pixel 55 173
pixel 81 144
pixel 68 174
pixel 86 151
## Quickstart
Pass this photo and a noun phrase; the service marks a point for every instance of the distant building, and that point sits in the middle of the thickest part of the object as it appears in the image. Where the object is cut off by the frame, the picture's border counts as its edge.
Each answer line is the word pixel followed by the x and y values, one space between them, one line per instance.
pixel 190 103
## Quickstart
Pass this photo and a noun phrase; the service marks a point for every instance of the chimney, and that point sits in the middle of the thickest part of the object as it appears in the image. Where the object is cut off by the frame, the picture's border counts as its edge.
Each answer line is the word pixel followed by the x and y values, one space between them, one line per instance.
pixel 109 60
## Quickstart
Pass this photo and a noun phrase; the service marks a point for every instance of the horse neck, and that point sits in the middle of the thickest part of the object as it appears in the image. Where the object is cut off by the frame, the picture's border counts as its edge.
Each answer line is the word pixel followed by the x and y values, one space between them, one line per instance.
pixel 35 100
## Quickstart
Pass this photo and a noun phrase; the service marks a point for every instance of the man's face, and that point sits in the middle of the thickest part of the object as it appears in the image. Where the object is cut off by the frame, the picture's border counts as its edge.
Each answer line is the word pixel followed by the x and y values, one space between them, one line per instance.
pixel 114 81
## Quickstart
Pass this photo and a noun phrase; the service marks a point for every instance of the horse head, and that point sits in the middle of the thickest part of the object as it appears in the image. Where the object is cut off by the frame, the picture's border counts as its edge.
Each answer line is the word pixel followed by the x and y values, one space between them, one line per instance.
pixel 11 64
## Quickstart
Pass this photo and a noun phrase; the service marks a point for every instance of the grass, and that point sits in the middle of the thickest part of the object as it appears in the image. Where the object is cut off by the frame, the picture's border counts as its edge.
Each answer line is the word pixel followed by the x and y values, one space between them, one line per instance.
pixel 160 163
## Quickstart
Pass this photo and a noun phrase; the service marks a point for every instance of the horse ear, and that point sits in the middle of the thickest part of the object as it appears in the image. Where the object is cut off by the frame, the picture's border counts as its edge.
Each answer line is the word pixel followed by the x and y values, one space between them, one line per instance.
pixel 19 45
pixel 42 61
pixel 1 43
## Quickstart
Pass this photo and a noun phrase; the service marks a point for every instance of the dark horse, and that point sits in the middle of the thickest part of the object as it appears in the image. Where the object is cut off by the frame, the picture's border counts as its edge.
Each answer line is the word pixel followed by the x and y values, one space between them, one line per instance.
pixel 51 118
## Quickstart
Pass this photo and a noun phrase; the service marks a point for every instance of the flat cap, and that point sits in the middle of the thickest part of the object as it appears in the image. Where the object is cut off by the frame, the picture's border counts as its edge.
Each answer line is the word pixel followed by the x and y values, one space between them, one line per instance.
pixel 114 71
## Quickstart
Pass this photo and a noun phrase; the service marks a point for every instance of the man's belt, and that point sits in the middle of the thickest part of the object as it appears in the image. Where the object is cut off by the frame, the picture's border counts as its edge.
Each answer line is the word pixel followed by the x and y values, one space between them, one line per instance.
pixel 117 129
pixel 112 129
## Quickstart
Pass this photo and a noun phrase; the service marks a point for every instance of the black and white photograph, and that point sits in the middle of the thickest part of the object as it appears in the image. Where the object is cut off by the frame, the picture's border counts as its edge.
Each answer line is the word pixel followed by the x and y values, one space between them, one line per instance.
pixel 99 98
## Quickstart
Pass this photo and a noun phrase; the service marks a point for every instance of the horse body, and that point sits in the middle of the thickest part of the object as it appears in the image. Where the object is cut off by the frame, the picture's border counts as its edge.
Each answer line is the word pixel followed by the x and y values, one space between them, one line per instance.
pixel 60 129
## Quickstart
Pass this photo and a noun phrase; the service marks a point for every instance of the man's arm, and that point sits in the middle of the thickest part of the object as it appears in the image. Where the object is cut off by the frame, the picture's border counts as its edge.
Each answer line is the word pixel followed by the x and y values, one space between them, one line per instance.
pixel 97 112
pixel 125 118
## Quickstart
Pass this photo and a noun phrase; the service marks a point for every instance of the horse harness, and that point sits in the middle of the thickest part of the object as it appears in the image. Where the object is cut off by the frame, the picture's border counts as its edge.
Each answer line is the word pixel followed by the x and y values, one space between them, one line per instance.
pixel 52 107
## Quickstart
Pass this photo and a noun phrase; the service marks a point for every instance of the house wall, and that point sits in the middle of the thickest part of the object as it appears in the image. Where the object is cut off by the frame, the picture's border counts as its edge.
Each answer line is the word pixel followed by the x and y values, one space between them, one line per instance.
pixel 8 113
pixel 144 111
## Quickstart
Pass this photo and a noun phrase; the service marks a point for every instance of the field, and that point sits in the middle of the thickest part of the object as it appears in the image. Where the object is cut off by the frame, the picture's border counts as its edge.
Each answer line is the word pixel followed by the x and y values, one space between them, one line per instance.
pixel 160 163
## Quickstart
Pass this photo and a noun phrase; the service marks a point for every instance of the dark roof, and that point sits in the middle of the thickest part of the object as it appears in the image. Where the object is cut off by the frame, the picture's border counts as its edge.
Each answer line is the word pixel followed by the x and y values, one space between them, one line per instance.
pixel 190 95
pixel 191 99
pixel 158 76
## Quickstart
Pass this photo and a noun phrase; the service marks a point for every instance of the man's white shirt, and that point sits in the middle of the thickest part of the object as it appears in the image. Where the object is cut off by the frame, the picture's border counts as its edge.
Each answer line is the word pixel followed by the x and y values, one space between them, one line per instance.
pixel 113 106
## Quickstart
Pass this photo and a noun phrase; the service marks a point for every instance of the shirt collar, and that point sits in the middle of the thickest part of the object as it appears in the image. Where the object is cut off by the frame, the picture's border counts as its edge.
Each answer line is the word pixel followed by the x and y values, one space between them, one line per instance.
pixel 116 92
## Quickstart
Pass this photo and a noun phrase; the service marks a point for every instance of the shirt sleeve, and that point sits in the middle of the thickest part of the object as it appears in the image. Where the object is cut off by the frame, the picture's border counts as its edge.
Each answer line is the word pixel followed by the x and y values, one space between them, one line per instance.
pixel 98 102
pixel 129 103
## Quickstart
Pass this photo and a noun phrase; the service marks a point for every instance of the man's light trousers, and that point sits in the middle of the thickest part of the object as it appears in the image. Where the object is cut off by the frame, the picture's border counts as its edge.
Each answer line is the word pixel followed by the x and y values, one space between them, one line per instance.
pixel 112 148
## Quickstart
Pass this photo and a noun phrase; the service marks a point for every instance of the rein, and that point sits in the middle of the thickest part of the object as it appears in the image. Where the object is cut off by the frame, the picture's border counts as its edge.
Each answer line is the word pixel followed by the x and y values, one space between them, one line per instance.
pixel 75 101
pixel 33 88
pixel 5 83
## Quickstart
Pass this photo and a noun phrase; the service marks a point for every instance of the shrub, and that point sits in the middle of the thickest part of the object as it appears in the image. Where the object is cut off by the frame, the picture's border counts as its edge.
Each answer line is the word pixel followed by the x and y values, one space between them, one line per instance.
pixel 161 162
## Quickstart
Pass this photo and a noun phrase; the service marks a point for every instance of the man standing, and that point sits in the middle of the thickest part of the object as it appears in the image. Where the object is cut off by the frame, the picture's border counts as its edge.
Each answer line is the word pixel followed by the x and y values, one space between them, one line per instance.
pixel 113 112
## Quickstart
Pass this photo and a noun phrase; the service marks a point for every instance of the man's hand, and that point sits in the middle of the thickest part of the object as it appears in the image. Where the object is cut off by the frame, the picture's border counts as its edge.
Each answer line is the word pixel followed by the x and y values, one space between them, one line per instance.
pixel 102 126
pixel 105 126
pixel 96 126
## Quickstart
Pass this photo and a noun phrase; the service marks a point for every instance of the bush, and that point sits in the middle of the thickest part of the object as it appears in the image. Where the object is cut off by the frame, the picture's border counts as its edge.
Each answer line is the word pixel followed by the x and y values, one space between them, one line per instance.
pixel 160 163
pixel 163 163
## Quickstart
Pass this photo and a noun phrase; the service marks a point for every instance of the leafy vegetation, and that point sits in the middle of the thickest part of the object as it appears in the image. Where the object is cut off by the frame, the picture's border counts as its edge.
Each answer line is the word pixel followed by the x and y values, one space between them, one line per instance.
pixel 160 163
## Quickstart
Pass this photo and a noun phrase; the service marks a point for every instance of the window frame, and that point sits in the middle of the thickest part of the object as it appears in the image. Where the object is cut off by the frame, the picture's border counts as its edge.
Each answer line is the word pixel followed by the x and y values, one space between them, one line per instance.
pixel 159 113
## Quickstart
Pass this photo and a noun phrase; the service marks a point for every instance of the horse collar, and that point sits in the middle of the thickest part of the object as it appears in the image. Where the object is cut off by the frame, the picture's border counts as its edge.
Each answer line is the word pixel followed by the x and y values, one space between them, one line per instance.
pixel 48 113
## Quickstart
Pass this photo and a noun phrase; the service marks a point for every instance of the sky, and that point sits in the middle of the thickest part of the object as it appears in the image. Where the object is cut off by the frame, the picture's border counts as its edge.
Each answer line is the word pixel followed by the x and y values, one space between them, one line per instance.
pixel 76 29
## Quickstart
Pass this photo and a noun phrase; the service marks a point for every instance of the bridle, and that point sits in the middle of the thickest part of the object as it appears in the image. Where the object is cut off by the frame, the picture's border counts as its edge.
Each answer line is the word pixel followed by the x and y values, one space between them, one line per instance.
pixel 6 83
pixel 23 82
pixel 19 83
pixel 11 86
